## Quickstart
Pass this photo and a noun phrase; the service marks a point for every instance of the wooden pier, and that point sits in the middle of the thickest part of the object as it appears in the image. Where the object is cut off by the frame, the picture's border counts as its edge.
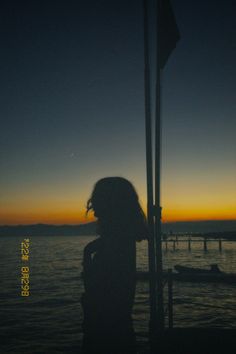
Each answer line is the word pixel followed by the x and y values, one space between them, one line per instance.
pixel 173 242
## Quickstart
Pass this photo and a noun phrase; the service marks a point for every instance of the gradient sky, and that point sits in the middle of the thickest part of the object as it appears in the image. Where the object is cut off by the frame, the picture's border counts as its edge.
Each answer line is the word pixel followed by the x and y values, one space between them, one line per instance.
pixel 72 108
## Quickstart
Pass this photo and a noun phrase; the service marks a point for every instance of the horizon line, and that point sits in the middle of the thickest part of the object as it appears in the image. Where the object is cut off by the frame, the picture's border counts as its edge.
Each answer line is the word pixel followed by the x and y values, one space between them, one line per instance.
pixel 94 221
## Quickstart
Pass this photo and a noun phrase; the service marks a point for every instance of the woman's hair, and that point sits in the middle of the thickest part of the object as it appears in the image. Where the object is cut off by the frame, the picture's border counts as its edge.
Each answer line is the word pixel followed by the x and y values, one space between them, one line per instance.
pixel 116 205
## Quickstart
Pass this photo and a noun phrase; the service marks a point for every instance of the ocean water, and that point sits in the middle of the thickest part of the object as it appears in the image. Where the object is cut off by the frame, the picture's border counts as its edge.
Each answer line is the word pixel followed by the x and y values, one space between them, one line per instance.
pixel 49 320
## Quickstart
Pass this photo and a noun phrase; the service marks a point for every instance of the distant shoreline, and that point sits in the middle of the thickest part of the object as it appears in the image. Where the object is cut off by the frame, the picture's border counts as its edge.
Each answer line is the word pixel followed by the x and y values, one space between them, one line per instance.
pixel 211 227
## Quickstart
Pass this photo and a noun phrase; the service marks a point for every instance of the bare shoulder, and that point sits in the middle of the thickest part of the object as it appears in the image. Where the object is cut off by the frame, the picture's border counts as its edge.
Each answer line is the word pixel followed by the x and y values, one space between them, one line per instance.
pixel 92 246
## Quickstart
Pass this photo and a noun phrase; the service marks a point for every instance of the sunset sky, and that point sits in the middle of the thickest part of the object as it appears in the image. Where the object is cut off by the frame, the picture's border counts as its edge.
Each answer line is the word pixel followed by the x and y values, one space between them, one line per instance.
pixel 72 108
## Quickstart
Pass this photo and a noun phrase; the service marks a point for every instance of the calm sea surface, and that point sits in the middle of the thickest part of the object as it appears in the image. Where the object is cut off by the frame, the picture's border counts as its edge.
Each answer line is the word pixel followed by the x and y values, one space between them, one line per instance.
pixel 49 320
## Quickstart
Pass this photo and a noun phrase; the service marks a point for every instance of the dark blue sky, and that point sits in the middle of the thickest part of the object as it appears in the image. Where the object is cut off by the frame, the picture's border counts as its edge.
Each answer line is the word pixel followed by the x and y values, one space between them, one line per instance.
pixel 72 107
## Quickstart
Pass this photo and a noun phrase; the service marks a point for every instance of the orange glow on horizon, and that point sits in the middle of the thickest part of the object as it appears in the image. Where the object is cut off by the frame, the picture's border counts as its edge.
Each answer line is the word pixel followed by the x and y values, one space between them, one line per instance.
pixel 56 218
pixel 195 197
pixel 72 212
pixel 174 215
pixel 74 218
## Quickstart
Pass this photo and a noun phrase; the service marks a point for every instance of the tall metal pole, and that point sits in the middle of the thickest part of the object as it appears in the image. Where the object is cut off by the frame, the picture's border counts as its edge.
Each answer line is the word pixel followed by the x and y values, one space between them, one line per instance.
pixel 149 171
pixel 160 306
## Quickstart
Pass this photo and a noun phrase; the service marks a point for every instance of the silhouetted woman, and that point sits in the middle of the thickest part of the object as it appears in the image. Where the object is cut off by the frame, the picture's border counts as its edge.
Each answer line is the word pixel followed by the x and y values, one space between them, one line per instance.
pixel 110 267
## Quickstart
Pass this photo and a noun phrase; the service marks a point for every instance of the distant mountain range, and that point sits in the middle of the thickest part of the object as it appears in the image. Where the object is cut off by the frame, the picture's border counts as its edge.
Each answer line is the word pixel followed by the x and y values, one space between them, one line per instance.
pixel 90 228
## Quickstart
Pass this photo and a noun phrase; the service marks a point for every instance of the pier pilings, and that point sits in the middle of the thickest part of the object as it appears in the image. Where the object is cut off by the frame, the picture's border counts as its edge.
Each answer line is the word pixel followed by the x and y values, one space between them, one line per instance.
pixel 205 241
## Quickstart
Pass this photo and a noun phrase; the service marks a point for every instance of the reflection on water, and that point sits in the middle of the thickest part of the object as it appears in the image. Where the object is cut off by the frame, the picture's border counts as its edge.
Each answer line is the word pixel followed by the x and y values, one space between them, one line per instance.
pixel 49 321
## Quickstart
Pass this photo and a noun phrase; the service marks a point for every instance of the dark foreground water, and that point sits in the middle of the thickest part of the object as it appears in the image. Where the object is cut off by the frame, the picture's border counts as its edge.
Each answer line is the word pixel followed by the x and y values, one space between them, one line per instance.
pixel 49 320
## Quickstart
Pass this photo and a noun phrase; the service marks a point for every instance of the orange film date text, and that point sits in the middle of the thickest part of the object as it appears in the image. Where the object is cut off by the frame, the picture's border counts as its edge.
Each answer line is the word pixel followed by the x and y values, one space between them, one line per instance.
pixel 25 271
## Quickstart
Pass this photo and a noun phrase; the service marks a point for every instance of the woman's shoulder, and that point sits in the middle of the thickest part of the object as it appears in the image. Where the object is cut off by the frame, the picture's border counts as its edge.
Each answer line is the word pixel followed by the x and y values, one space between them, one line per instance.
pixel 92 246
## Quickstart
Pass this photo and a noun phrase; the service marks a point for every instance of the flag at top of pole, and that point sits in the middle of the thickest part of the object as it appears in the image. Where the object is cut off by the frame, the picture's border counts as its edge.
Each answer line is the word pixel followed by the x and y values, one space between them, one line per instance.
pixel 168 31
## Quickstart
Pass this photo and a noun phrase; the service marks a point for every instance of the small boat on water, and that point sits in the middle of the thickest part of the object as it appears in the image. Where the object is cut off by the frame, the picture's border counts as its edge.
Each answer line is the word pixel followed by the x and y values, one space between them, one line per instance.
pixel 184 269
pixel 192 274
pixel 213 275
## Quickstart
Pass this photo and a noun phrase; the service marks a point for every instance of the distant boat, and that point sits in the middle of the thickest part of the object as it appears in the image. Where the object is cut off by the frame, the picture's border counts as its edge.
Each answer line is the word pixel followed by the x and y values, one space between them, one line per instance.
pixel 183 269
pixel 214 274
pixel 192 274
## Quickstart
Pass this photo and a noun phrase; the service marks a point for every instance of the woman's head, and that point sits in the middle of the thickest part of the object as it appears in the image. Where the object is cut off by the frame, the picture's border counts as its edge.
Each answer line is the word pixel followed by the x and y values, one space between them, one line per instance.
pixel 115 203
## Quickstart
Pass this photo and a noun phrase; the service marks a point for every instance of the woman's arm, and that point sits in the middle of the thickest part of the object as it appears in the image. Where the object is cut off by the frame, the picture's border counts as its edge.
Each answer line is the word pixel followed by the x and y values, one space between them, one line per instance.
pixel 89 250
